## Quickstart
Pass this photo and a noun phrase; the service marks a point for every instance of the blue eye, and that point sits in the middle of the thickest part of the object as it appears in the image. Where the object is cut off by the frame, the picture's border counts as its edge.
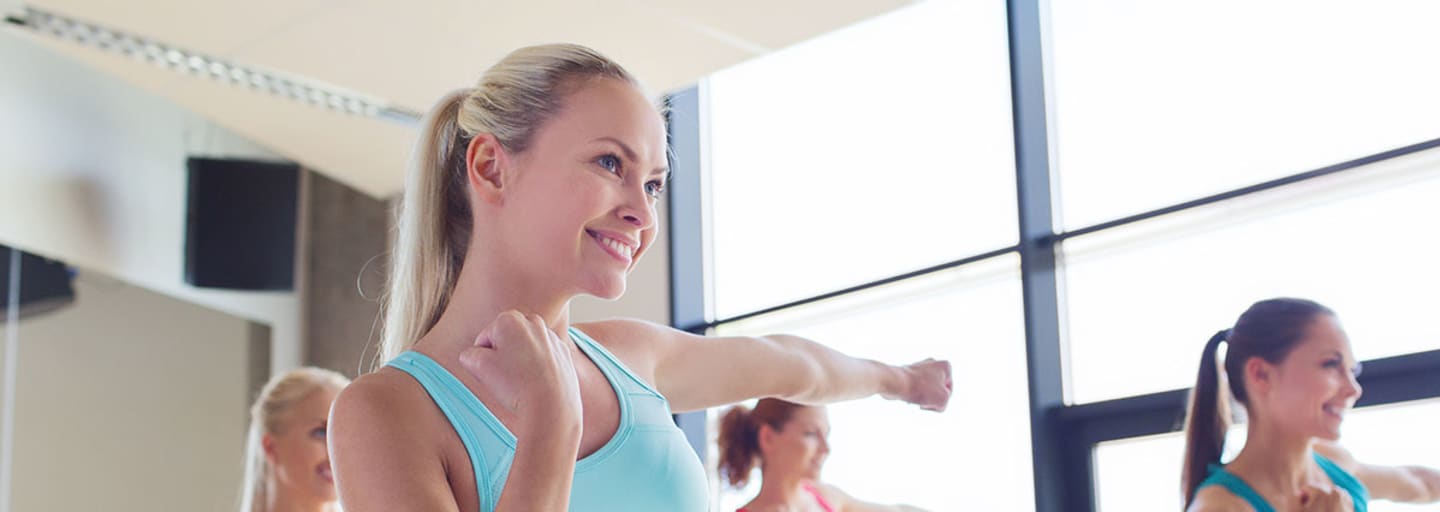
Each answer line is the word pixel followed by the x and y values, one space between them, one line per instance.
pixel 318 433
pixel 610 162
pixel 655 188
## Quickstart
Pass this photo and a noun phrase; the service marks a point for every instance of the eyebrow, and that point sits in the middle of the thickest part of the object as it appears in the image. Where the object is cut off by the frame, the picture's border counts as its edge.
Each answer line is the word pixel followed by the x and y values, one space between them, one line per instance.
pixel 630 155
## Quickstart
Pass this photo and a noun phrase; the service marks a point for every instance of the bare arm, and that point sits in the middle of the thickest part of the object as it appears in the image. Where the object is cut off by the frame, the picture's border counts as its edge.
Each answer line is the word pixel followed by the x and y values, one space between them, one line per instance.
pixel 379 463
pixel 696 372
pixel 1405 484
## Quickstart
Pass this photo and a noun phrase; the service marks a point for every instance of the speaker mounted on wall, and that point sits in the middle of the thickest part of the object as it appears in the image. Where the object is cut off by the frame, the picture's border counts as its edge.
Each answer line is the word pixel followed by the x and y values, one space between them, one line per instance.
pixel 240 224
pixel 45 284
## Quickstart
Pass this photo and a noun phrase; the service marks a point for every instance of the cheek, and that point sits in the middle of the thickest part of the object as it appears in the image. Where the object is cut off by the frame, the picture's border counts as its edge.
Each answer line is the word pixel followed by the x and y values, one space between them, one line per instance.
pixel 1313 388
pixel 647 239
pixel 318 449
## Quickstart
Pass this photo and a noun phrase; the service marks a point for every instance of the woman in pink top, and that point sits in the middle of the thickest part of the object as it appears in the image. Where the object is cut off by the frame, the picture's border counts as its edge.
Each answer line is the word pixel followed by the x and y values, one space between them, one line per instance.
pixel 788 441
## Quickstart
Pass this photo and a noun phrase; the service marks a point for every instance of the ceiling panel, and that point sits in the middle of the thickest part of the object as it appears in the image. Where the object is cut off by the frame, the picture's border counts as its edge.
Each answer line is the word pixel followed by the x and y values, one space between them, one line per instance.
pixel 410 53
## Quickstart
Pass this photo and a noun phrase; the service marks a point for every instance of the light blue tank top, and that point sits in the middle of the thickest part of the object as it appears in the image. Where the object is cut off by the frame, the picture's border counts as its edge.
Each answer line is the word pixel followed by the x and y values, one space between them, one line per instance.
pixel 648 466
pixel 1341 478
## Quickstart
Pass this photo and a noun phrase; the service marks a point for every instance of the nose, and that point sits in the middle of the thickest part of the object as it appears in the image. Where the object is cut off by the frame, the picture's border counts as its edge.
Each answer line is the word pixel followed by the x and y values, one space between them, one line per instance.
pixel 1352 387
pixel 637 210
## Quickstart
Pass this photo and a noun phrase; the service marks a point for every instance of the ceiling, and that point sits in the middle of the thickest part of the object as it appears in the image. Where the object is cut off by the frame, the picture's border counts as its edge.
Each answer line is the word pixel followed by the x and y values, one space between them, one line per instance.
pixel 410 53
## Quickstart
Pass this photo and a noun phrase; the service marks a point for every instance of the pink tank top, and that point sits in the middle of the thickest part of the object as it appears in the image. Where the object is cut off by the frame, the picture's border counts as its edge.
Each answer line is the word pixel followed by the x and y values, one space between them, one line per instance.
pixel 824 505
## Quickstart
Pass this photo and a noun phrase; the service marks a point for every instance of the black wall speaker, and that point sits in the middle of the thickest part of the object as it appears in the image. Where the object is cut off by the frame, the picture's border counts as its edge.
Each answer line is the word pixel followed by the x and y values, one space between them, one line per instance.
pixel 240 224
pixel 45 284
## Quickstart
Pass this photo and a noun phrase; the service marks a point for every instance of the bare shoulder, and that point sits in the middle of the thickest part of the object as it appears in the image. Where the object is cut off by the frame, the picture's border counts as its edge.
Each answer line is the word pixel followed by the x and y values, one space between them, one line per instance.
pixel 844 502
pixel 623 332
pixel 367 408
pixel 386 447
pixel 833 494
pixel 383 389
pixel 636 342
pixel 1215 498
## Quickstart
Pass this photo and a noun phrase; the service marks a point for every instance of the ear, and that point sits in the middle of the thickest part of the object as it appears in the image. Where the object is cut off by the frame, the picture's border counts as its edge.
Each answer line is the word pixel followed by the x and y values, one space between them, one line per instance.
pixel 1259 376
pixel 766 437
pixel 267 445
pixel 485 163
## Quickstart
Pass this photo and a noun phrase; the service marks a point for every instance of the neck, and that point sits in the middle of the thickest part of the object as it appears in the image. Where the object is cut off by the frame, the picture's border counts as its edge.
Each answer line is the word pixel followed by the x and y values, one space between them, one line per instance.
pixel 288 499
pixel 482 292
pixel 1274 458
pixel 782 489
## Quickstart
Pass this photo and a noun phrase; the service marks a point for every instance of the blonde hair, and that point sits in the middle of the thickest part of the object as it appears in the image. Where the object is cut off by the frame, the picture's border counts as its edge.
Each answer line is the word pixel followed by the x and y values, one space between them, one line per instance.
pixel 267 415
pixel 513 98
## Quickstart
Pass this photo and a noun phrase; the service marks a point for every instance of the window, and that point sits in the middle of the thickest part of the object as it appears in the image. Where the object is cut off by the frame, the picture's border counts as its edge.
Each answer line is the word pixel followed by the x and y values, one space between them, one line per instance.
pixel 875 150
pixel 1171 101
pixel 1143 298
pixel 839 173
pixel 888 451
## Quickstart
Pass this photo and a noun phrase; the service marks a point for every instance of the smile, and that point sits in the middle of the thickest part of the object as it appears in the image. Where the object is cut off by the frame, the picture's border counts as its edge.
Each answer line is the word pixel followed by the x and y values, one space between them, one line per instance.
pixel 619 248
pixel 1331 410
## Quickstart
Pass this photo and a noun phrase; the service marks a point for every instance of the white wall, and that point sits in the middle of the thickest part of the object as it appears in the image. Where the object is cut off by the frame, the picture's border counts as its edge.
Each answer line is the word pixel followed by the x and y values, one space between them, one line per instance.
pixel 129 400
pixel 92 172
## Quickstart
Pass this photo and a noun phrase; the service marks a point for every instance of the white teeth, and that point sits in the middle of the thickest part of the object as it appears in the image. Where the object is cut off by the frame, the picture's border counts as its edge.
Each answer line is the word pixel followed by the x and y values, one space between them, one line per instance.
pixel 617 246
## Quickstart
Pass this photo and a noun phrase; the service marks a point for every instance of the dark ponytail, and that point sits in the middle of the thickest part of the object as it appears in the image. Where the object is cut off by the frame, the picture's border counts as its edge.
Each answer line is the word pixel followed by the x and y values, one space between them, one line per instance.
pixel 1208 420
pixel 1269 330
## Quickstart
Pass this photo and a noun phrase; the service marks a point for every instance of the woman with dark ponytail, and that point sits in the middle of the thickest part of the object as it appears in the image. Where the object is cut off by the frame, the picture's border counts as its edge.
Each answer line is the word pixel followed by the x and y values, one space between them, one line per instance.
pixel 1288 363
pixel 789 443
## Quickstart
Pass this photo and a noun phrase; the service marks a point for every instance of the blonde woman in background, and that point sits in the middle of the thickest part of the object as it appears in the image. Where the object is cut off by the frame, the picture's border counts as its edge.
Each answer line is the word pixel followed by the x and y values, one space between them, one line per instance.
pixel 287 467
pixel 790 443
pixel 533 187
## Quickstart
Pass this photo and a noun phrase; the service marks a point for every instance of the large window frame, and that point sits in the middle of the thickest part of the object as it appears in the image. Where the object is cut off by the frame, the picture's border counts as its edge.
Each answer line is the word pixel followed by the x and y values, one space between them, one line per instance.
pixel 1063 436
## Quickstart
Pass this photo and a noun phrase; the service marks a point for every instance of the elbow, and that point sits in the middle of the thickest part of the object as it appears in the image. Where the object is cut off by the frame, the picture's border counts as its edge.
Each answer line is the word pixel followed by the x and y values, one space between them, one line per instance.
pixel 803 379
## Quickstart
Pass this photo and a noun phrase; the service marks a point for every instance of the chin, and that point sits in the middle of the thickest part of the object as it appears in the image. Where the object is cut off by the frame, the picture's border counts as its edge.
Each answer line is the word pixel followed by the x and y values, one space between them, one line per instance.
pixel 1328 432
pixel 607 290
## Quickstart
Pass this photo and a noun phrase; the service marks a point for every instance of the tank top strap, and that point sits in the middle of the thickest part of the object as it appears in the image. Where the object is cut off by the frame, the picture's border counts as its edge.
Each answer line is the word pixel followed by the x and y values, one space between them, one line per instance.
pixel 1219 476
pixel 611 365
pixel 465 412
pixel 1359 496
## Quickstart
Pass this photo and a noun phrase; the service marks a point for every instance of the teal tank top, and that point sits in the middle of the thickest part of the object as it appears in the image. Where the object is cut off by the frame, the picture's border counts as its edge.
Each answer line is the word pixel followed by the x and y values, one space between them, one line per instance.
pixel 648 466
pixel 1341 478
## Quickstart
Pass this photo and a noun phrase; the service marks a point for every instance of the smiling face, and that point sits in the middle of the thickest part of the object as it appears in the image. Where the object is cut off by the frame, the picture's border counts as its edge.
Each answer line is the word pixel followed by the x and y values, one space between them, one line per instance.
pixel 296 451
pixel 1312 389
pixel 579 203
pixel 799 447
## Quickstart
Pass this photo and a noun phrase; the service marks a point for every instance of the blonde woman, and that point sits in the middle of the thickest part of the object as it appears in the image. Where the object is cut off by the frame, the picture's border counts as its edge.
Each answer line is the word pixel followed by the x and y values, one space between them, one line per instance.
pixel 287 468
pixel 537 185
